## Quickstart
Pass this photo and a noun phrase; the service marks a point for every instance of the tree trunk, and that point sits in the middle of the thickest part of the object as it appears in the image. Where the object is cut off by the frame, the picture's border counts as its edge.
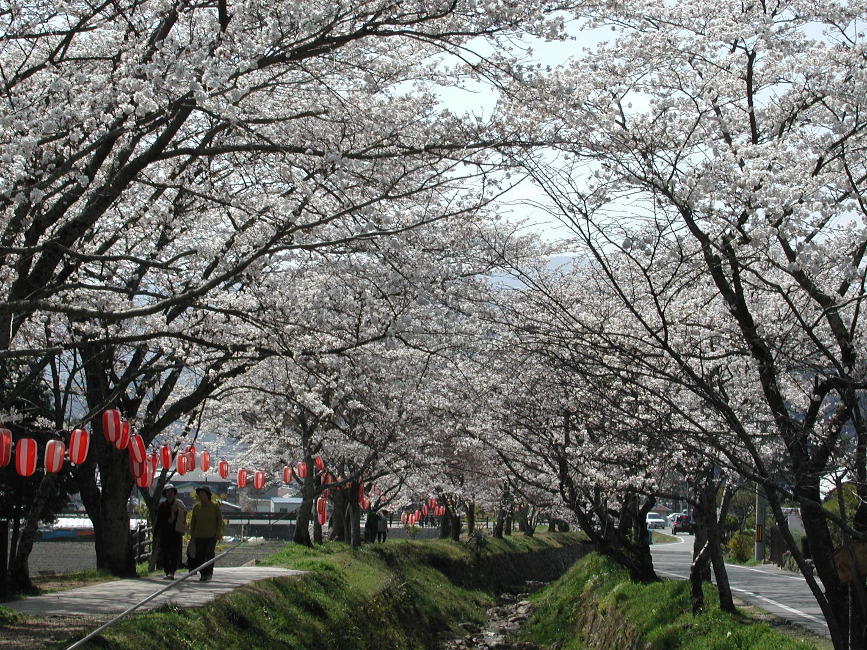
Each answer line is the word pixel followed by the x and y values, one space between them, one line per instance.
pixel 470 509
pixel 338 515
pixel 355 519
pixel 19 569
pixel 446 525
pixel 499 525
pixel 455 525
pixel 302 521
pixel 698 569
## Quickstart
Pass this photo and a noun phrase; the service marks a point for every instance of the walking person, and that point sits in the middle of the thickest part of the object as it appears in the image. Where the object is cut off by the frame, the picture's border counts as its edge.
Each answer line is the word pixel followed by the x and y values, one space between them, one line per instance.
pixel 171 522
pixel 382 527
pixel 206 527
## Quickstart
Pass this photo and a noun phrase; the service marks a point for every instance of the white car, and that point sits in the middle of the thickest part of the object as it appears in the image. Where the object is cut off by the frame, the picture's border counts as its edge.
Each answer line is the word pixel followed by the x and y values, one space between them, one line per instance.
pixel 655 520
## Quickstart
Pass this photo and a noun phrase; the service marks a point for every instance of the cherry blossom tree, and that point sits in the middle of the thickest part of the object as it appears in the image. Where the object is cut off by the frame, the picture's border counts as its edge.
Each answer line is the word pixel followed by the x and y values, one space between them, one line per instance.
pixel 160 156
pixel 710 159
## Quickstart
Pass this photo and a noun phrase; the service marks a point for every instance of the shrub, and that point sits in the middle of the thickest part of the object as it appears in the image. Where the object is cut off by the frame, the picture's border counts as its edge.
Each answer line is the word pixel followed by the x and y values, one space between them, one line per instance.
pixel 741 546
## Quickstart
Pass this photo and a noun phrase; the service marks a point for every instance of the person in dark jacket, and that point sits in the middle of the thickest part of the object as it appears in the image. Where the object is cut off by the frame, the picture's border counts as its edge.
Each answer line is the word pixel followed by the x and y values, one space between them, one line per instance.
pixel 170 525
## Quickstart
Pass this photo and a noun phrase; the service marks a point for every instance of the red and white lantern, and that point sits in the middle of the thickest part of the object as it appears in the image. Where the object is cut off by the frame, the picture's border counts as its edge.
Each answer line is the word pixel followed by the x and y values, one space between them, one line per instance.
pixel 432 502
pixel 301 469
pixel 136 468
pixel 242 478
pixel 54 452
pixel 79 444
pixel 111 426
pixel 223 468
pixel 318 463
pixel 424 510
pixel 288 475
pixel 205 461
pixel 403 517
pixel 182 463
pixel 145 479
pixel 363 503
pixel 5 447
pixel 153 461
pixel 321 505
pixel 137 450
pixel 258 479
pixel 321 517
pixel 190 453
pixel 165 456
pixel 25 456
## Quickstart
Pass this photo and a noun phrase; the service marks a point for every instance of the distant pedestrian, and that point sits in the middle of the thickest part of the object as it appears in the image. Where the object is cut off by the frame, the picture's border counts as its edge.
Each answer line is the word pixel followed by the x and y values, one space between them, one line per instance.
pixel 371 526
pixel 171 522
pixel 206 527
pixel 382 530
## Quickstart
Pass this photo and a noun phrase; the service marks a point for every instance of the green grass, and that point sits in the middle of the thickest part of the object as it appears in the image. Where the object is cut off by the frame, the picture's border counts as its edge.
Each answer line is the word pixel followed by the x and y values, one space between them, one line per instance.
pixel 381 596
pixel 595 592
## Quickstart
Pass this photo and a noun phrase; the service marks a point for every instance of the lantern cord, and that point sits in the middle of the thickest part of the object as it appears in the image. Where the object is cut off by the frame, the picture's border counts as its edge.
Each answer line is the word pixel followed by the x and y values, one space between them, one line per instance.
pixel 171 585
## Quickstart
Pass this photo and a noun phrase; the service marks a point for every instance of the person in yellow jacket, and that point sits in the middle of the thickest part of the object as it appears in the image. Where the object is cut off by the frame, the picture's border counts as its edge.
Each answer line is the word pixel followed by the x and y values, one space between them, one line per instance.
pixel 206 527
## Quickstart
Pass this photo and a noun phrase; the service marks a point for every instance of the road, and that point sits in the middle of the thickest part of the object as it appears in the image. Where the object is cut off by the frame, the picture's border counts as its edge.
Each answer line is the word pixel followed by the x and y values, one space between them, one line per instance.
pixel 780 592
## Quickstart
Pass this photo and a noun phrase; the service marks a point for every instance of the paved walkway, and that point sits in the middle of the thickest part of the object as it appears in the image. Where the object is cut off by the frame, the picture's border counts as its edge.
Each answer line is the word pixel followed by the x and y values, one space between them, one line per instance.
pixel 115 597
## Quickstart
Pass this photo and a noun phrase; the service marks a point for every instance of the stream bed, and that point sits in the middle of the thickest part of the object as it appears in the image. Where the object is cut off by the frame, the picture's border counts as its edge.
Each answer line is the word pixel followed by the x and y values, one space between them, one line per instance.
pixel 504 620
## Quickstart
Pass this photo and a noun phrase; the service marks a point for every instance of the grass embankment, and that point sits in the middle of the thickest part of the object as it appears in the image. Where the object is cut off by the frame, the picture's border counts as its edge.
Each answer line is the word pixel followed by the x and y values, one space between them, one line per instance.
pixel 394 595
pixel 595 597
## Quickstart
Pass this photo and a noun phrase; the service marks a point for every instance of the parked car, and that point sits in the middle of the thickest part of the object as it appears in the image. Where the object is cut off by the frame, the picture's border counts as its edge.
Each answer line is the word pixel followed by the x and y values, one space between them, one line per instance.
pixel 682 524
pixel 655 520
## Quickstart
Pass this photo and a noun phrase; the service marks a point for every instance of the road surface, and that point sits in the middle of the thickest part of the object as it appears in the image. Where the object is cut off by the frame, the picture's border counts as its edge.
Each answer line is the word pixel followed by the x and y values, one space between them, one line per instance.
pixel 775 590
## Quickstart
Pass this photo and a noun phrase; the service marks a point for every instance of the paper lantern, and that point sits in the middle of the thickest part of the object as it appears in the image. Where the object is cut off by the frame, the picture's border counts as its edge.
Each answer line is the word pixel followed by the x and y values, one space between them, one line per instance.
pixel 191 458
pixel 288 475
pixel 136 468
pixel 79 444
pixel 321 504
pixel 137 450
pixel 153 461
pixel 25 456
pixel 363 503
pixel 424 510
pixel 321 517
pixel 403 517
pixel 5 447
pixel 54 451
pixel 145 478
pixel 242 478
pixel 165 456
pixel 301 469
pixel 327 479
pixel 258 479
pixel 111 425
pixel 123 438
pixel 223 468
pixel 205 461
pixel 317 462
pixel 432 502
pixel 181 463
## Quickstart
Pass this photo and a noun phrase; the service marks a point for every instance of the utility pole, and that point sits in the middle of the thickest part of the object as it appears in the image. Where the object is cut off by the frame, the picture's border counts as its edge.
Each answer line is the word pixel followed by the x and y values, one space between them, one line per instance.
pixel 761 512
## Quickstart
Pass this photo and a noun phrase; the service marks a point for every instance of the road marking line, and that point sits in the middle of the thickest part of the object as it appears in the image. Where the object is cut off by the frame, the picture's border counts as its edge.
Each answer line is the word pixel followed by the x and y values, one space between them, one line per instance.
pixel 781 606
pixel 760 597
pixel 767 573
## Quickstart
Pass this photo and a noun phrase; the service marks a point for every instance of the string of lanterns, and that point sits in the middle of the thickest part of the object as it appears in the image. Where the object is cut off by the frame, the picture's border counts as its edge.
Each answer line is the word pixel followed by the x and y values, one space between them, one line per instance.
pixel 142 465
pixel 430 508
